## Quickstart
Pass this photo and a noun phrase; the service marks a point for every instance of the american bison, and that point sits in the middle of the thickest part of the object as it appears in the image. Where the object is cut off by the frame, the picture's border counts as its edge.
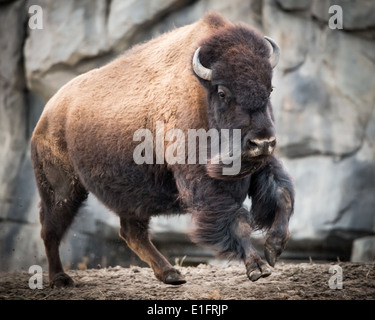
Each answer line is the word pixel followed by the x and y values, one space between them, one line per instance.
pixel 212 74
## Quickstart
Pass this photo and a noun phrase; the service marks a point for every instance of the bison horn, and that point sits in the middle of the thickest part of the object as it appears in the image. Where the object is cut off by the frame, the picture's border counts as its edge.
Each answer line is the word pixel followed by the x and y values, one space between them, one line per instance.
pixel 274 59
pixel 199 69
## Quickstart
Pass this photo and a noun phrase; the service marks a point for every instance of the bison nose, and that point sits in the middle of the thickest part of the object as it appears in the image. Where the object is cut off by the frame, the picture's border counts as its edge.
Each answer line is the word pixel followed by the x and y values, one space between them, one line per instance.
pixel 258 147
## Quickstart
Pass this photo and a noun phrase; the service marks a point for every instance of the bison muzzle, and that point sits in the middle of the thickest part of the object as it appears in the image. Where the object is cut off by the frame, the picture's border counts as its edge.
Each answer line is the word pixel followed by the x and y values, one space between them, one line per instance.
pixel 208 75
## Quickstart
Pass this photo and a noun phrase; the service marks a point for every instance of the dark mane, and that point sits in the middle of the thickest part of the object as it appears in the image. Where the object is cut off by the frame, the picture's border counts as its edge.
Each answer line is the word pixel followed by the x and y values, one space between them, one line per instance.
pixel 233 41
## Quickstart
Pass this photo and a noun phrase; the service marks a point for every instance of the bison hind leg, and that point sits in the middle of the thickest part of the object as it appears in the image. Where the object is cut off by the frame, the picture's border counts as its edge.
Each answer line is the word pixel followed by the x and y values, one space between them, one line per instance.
pixel 135 232
pixel 61 195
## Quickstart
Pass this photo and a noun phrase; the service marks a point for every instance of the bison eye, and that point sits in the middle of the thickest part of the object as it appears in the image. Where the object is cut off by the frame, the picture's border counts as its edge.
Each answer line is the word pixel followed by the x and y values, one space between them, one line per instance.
pixel 221 94
pixel 224 93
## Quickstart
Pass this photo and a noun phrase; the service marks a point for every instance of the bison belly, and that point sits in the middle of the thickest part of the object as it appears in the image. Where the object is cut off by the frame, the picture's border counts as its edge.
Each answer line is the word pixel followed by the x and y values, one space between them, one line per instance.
pixel 127 188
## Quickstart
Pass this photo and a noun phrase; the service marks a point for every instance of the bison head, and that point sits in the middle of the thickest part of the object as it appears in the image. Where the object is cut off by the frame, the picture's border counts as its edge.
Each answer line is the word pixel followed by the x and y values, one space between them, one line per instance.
pixel 235 66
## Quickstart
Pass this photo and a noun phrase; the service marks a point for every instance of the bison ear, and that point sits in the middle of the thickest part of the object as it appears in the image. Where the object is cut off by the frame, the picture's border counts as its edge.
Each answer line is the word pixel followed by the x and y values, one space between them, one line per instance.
pixel 199 69
pixel 274 59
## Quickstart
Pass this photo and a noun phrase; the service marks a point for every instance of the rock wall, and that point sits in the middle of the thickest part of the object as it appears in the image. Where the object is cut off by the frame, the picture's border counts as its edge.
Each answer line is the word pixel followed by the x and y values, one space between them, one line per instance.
pixel 324 102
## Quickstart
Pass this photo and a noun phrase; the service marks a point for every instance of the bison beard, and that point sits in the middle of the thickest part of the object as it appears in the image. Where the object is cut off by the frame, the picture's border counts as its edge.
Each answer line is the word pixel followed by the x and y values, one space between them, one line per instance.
pixel 83 143
pixel 248 167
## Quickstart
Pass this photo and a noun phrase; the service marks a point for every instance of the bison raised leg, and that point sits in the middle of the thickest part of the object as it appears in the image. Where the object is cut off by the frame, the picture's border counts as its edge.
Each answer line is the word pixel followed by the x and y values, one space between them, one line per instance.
pixel 278 235
pixel 135 233
pixel 272 195
pixel 228 232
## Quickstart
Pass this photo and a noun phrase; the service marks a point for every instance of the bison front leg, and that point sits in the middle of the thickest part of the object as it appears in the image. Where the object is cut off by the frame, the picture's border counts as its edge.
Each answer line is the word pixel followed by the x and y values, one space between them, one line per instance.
pixel 272 194
pixel 135 233
pixel 255 266
pixel 227 231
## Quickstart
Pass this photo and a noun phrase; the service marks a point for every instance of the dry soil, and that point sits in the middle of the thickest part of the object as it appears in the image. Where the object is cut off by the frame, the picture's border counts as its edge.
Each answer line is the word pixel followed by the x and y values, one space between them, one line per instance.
pixel 288 281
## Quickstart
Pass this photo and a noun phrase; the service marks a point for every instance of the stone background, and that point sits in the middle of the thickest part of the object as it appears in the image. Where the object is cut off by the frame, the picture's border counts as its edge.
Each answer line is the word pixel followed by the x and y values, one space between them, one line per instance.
pixel 324 102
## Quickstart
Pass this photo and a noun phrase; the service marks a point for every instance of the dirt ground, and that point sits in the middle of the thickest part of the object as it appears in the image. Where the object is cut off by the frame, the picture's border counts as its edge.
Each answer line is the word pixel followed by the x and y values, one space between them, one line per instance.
pixel 300 281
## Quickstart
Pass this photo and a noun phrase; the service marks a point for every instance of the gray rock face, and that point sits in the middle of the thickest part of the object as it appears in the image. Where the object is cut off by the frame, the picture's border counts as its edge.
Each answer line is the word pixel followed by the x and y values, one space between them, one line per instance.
pixel 13 108
pixel 363 250
pixel 13 120
pixel 71 33
pixel 324 101
pixel 126 18
pixel 294 4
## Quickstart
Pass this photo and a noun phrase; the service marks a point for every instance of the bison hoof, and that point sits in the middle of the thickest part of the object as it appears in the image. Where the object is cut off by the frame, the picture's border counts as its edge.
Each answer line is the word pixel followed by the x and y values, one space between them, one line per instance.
pixel 173 277
pixel 271 255
pixel 61 280
pixel 274 246
pixel 255 271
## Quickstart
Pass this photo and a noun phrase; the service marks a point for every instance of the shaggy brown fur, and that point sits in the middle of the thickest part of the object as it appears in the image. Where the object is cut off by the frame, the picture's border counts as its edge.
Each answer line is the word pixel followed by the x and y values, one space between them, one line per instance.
pixel 83 143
